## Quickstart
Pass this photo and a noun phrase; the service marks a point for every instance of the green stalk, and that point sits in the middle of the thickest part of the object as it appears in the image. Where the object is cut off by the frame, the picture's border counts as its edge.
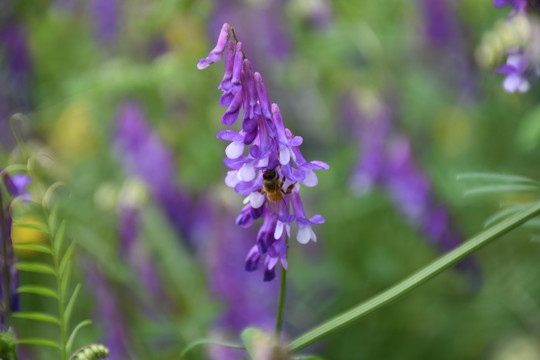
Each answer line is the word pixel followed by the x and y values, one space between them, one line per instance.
pixel 61 308
pixel 416 279
pixel 282 290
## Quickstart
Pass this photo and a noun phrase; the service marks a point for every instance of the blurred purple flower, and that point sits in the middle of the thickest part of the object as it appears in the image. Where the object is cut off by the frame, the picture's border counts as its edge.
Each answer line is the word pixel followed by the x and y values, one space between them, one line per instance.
pixel 447 47
pixel 245 302
pixel 133 251
pixel 518 5
pixel 440 22
pixel 516 72
pixel 110 314
pixel 273 166
pixel 259 23
pixel 15 76
pixel 10 283
pixel 373 137
pixel 144 155
pixel 16 185
pixel 387 161
pixel 105 16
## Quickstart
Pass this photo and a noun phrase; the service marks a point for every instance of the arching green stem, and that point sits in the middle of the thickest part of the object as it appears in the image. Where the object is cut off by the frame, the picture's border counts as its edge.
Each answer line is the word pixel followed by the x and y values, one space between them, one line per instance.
pixel 417 278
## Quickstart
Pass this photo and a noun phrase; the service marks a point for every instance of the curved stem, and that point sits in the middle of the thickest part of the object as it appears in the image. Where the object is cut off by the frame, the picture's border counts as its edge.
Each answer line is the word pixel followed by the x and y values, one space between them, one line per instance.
pixel 417 278
pixel 282 290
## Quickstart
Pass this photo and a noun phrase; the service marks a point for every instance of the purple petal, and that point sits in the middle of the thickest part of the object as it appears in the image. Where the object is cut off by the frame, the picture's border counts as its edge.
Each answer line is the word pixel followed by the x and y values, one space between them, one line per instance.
pixel 229 135
pixel 231 115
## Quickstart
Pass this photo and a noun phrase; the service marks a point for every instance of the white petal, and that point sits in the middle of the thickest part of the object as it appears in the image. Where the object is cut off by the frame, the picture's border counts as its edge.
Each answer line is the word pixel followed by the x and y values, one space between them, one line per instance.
pixel 272 263
pixel 246 172
pixel 263 163
pixel 231 179
pixel 293 156
pixel 524 87
pixel 512 82
pixel 279 230
pixel 284 155
pixel 235 149
pixel 256 199
pixel 304 234
pixel 311 179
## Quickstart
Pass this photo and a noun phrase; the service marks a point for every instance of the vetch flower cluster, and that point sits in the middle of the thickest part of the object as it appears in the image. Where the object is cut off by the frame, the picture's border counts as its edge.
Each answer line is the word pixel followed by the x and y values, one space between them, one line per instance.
pixel 516 38
pixel 264 157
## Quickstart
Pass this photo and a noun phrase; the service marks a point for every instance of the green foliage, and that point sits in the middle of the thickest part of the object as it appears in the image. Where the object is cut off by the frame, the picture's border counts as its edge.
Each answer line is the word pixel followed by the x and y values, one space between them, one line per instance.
pixel 8 347
pixel 60 268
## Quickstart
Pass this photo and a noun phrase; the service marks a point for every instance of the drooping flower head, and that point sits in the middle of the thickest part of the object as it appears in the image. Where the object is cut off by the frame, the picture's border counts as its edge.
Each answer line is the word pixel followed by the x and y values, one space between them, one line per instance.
pixel 264 157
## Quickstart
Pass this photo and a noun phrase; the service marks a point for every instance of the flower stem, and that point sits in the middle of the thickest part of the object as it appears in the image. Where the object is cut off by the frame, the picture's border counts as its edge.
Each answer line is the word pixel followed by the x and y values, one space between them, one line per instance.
pixel 418 278
pixel 279 319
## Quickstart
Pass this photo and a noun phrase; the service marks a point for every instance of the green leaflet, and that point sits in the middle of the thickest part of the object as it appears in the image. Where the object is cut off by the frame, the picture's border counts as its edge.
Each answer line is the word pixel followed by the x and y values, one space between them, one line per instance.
pixel 73 334
pixel 39 342
pixel 66 259
pixel 492 189
pixel 71 304
pixel 495 177
pixel 59 237
pixel 37 316
pixel 38 267
pixel 38 290
pixel 33 247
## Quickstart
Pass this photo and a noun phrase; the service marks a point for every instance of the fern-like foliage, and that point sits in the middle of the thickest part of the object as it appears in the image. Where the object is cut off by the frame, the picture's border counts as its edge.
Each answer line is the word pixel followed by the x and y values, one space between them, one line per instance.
pixel 60 253
pixel 494 183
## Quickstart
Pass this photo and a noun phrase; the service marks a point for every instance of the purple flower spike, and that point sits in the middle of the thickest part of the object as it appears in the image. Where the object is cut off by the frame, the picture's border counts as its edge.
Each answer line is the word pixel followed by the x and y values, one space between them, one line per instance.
pixel 269 176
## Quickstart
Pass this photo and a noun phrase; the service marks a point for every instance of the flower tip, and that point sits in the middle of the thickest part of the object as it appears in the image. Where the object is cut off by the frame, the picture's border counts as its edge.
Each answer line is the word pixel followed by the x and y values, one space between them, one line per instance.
pixel 269 275
pixel 203 64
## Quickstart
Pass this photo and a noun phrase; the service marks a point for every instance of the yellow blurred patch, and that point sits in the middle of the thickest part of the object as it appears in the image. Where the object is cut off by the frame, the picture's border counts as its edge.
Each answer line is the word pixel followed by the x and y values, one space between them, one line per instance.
pixel 185 35
pixel 73 133
pixel 453 132
pixel 24 235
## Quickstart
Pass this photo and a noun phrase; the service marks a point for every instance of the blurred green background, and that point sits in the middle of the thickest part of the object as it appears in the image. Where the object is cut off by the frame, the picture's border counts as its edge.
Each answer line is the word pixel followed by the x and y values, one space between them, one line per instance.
pixel 77 62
